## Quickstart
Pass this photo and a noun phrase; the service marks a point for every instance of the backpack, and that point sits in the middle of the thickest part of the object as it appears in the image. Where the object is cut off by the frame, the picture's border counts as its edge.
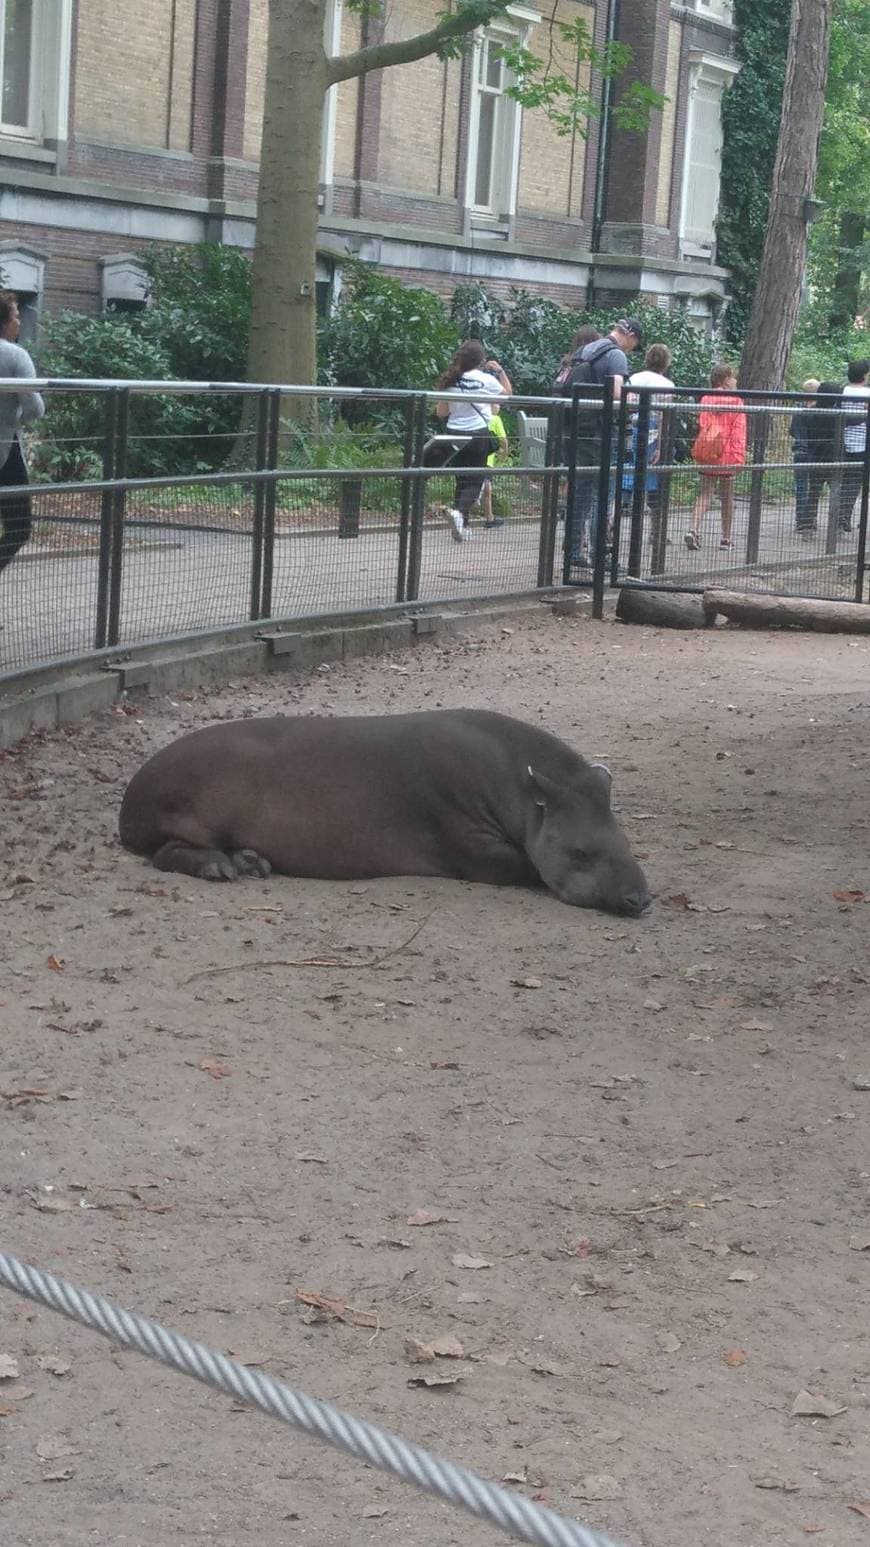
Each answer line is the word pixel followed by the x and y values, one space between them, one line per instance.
pixel 578 372
pixel 708 445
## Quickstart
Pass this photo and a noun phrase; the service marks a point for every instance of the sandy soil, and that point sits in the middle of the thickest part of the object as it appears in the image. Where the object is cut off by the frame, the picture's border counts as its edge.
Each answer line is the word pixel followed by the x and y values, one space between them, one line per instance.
pixel 658 1145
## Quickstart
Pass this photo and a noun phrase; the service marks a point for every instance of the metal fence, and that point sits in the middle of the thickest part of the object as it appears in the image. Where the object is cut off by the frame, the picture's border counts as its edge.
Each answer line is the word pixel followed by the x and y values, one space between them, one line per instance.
pixel 163 509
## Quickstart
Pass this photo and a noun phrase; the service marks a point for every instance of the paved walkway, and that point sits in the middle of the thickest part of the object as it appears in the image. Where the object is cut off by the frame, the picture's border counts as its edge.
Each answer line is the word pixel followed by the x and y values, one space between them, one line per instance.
pixel 186 581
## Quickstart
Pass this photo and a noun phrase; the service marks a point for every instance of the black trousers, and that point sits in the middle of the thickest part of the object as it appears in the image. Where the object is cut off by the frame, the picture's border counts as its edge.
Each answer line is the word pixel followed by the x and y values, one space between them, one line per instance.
pixel 473 453
pixel 15 517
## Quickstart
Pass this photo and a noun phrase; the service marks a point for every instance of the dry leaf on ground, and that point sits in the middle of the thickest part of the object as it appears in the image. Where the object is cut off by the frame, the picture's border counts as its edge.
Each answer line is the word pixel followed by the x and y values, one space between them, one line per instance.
pixel 214 1067
pixel 424 1217
pixel 8 1367
pixel 742 1276
pixel 734 1357
pixel 339 1309
pixel 860 1242
pixel 436 1378
pixel 808 1405
pixel 668 1342
pixel 53 1364
pixel 463 1260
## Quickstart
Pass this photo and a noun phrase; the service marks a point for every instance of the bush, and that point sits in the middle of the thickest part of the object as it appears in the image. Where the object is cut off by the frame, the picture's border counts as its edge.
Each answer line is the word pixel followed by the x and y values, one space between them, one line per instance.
pixel 195 329
pixel 384 334
pixel 529 334
pixel 819 352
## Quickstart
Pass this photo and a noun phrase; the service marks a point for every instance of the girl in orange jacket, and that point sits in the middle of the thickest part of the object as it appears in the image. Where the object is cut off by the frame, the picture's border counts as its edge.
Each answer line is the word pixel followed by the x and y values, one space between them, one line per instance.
pixel 727 432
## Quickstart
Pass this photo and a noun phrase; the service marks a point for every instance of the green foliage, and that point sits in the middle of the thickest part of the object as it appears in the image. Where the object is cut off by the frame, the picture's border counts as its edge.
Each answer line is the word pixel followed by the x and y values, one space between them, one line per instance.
pixel 750 125
pixel 201 309
pixel 529 334
pixel 69 443
pixel 195 329
pixel 383 333
pixel 822 352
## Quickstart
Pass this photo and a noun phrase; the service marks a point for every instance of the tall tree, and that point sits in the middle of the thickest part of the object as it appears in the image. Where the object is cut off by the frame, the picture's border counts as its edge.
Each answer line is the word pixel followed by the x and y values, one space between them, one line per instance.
pixel 776 303
pixel 844 165
pixel 750 121
pixel 299 73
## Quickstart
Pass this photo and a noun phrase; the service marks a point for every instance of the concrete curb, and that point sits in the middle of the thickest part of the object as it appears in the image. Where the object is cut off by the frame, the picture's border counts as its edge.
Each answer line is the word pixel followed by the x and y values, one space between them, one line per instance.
pixel 62 693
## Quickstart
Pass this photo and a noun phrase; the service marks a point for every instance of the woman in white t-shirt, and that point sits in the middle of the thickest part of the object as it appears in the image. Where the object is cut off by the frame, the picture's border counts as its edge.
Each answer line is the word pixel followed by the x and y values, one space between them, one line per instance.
pixel 656 362
pixel 483 380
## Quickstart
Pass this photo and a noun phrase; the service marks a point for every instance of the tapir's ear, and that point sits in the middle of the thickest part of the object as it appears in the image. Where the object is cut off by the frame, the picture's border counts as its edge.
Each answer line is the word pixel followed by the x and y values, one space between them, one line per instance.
pixel 605 777
pixel 544 789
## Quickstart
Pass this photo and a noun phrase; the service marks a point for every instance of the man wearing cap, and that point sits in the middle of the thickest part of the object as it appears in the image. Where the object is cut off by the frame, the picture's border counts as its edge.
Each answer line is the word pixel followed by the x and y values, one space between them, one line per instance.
pixel 594 365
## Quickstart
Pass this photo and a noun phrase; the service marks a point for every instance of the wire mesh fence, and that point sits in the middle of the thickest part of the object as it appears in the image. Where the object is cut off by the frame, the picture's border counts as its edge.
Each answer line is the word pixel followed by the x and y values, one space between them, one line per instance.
pixel 163 509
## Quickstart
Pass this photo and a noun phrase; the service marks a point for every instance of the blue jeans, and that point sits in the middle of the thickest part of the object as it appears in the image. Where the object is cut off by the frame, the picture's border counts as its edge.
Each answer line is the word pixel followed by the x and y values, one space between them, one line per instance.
pixel 585 491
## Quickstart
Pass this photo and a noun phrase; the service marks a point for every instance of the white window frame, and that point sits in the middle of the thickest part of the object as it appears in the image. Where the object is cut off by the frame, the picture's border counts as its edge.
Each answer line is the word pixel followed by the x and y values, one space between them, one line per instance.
pixel 332 44
pixel 123 277
pixel 506 151
pixel 718 72
pixel 48 95
pixel 717 10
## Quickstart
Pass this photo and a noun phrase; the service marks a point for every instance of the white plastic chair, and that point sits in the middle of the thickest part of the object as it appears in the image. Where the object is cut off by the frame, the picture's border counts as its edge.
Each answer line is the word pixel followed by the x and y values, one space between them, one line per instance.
pixel 533 440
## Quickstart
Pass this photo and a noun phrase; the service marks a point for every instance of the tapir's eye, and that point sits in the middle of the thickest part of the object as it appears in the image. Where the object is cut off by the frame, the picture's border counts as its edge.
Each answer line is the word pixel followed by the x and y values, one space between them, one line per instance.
pixel 580 857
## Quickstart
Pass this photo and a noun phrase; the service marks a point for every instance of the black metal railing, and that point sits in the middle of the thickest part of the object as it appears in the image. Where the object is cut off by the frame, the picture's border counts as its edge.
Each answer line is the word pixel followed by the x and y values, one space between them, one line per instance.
pixel 164 509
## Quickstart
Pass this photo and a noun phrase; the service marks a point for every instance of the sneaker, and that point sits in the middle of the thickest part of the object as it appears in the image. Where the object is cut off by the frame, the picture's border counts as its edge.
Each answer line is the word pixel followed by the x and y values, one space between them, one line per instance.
pixel 496 521
pixel 467 534
pixel 456 525
pixel 692 541
pixel 726 543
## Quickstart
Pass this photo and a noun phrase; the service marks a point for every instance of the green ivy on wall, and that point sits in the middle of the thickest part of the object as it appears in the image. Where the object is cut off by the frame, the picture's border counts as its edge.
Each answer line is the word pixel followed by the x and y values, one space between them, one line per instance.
pixel 750 125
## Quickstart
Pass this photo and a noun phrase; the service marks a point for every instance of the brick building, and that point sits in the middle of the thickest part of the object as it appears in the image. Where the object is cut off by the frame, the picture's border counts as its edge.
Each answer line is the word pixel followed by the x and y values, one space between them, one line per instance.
pixel 126 122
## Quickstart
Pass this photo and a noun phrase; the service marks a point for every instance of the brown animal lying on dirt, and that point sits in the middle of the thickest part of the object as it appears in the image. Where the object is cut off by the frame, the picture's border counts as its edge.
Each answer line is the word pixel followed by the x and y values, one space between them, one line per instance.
pixel 455 792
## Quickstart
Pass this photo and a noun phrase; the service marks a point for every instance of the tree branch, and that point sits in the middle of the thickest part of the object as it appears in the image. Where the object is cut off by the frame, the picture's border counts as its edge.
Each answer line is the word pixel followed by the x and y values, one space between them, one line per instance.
pixel 379 56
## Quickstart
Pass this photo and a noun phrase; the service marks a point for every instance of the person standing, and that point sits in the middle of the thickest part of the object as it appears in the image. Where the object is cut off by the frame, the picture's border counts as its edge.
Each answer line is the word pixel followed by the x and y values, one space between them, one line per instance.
pixel 600 361
pixel 723 427
pixel 821 425
pixel 16 409
pixel 657 361
pixel 799 427
pixel 482 380
pixel 854 442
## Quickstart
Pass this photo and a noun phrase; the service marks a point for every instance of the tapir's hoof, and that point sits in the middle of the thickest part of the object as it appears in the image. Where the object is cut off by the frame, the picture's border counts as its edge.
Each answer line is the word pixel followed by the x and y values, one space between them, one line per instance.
pixel 221 868
pixel 249 863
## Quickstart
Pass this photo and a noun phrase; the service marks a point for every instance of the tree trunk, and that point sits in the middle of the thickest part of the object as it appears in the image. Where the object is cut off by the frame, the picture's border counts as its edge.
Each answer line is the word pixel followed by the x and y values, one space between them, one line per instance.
pixel 776 303
pixel 847 285
pixel 660 609
pixel 756 611
pixel 282 346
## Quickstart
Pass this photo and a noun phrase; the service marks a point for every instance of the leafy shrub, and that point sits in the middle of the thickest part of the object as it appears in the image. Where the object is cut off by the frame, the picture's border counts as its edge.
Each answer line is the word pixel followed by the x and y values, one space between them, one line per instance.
pixel 384 334
pixel 529 334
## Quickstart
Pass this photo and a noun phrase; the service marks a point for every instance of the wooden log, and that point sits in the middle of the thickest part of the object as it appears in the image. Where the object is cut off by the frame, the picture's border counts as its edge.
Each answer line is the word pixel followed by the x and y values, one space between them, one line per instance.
pixel 755 611
pixel 659 609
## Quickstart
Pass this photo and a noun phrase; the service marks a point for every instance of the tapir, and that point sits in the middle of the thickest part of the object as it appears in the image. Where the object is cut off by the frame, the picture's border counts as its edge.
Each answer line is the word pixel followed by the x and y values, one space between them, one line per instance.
pixel 465 793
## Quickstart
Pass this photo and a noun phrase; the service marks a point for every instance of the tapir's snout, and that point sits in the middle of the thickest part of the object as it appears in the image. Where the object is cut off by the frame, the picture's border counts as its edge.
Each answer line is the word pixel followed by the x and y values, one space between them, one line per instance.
pixel 635 903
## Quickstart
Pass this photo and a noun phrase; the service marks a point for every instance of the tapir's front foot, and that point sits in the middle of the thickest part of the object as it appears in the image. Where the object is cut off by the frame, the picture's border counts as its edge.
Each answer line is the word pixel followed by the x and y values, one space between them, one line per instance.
pixel 210 864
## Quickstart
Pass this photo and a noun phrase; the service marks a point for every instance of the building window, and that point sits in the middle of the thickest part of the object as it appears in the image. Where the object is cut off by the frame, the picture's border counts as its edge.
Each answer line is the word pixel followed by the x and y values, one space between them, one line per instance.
pixel 717 10
pixel 708 78
pixel 123 284
pixel 23 272
pixel 34 68
pixel 494 139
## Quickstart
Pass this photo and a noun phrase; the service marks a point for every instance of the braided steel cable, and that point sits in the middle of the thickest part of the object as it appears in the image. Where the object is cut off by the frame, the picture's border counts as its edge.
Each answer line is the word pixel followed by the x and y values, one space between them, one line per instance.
pixel 511 1512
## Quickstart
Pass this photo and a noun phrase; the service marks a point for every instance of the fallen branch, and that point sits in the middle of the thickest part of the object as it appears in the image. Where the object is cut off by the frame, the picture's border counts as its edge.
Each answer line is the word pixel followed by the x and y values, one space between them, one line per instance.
pixel 758 611
pixel 312 961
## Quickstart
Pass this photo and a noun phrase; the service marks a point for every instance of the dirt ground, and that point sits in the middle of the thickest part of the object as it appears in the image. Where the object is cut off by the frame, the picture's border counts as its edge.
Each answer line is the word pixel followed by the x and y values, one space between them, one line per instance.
pixel 650 1137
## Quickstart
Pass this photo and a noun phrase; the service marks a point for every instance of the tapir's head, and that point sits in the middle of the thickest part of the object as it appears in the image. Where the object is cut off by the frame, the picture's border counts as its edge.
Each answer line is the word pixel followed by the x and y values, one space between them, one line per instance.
pixel 577 846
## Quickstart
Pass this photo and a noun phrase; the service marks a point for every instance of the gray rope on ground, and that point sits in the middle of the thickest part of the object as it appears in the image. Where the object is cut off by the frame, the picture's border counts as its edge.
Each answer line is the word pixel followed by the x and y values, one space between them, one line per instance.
pixel 511 1512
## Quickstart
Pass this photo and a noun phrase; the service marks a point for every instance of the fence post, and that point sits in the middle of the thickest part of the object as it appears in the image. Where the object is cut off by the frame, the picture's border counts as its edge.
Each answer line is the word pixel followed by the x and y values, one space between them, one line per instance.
pixel 105 555
pixel 550 496
pixel 760 430
pixel 599 527
pixel 261 456
pixel 117 515
pixel 570 493
pixel 270 499
pixel 638 494
pixel 861 558
pixel 406 498
pixel 418 505
pixel 661 509
pixel 835 484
